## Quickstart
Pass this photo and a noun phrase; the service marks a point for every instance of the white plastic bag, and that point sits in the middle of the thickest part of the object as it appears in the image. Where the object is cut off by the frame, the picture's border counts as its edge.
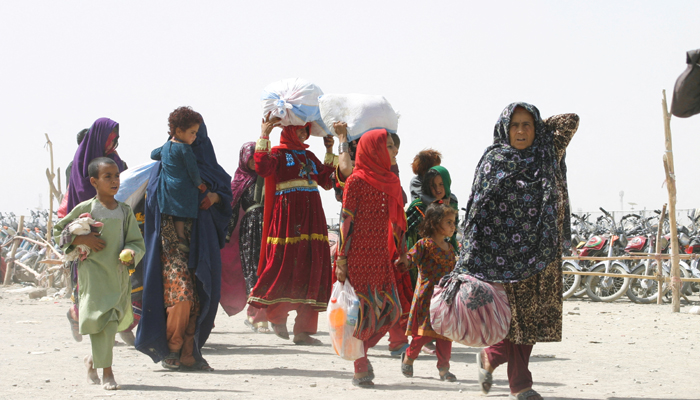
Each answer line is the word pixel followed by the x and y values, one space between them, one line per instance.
pixel 345 344
pixel 295 101
pixel 361 112
pixel 133 184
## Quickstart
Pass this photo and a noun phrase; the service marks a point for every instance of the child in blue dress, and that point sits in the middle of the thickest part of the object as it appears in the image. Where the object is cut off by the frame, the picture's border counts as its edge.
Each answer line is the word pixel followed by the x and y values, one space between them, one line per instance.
pixel 179 177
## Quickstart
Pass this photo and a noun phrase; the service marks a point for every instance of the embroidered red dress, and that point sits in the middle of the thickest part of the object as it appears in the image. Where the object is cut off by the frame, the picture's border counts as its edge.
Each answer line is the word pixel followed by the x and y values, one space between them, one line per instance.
pixel 297 266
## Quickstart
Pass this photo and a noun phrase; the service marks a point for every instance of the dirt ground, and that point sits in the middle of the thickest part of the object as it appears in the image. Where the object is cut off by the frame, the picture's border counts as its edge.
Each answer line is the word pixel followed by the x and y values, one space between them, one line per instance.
pixel 614 350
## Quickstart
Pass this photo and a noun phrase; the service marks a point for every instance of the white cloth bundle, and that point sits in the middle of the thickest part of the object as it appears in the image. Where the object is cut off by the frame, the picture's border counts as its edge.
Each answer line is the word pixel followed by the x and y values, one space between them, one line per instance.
pixel 295 102
pixel 361 112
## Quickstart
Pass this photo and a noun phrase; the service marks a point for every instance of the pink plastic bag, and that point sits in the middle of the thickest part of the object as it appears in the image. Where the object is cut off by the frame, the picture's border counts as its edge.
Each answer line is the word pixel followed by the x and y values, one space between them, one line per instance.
pixel 469 311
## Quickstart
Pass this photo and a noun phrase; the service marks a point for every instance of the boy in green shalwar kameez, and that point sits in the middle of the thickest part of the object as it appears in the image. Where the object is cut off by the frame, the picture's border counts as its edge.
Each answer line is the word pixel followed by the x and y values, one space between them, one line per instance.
pixel 104 287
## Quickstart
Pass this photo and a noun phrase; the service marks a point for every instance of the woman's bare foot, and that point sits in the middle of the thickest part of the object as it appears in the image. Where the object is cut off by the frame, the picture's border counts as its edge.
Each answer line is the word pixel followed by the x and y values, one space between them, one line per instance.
pixel 263 327
pixel 108 379
pixel 304 339
pixel 92 376
pixel 359 375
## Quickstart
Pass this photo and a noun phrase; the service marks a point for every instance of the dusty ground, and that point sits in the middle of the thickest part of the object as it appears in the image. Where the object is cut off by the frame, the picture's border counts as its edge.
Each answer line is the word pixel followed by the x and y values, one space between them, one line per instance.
pixel 610 351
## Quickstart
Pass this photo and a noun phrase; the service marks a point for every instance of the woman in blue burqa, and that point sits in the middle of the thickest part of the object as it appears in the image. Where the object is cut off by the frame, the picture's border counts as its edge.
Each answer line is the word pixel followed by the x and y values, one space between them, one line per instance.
pixel 181 291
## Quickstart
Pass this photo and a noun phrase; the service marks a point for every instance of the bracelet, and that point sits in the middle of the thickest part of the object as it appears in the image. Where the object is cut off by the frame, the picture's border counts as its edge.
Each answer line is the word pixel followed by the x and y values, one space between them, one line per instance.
pixel 343 148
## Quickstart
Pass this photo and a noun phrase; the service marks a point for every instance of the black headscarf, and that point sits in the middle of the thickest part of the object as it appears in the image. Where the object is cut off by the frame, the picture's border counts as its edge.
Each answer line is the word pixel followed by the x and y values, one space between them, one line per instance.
pixel 511 228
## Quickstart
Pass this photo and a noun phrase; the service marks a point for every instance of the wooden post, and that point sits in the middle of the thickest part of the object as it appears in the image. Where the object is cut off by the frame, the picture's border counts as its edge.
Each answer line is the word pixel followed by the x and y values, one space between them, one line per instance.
pixel 671 186
pixel 659 263
pixel 49 221
pixel 15 244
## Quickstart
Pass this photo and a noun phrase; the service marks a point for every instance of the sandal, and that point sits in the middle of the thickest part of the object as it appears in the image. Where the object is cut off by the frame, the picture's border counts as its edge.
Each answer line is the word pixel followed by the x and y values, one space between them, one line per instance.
pixel 364 382
pixel 250 325
pixel 174 363
pixel 201 365
pixel 447 376
pixel 525 395
pixel 262 327
pixel 280 330
pixel 484 376
pixel 183 245
pixel 74 328
pixel 406 370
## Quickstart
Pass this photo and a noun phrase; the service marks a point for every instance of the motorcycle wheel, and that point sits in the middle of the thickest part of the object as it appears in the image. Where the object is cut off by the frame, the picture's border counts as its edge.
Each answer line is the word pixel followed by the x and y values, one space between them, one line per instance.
pixel 643 291
pixel 604 288
pixel 685 286
pixel 571 282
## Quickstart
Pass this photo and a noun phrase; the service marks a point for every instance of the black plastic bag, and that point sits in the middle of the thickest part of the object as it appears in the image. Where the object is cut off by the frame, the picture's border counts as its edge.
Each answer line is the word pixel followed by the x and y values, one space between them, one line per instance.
pixel 686 93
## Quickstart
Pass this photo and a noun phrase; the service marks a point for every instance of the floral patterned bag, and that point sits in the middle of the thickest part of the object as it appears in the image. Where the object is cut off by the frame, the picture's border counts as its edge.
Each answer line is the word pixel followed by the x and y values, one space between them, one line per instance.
pixel 469 311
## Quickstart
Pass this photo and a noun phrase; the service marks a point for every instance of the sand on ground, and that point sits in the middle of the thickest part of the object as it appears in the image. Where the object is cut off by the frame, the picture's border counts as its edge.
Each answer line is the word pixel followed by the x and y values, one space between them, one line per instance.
pixel 614 350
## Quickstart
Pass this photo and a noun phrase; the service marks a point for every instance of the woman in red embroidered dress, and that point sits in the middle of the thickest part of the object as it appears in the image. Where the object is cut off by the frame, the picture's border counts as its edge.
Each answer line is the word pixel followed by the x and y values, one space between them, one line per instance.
pixel 294 271
pixel 372 234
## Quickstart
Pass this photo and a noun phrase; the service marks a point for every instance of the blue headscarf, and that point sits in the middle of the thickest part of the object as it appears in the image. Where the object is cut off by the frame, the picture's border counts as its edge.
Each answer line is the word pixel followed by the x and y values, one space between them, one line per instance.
pixel 207 238
pixel 511 228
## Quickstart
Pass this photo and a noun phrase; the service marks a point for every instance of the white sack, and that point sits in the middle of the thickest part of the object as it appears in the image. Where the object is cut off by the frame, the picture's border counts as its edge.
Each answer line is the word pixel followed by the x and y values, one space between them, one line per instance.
pixel 295 102
pixel 361 112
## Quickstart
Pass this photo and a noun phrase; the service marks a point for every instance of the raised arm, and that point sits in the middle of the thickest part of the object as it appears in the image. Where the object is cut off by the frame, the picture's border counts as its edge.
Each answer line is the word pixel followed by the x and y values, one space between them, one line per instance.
pixel 345 166
pixel 265 162
pixel 564 127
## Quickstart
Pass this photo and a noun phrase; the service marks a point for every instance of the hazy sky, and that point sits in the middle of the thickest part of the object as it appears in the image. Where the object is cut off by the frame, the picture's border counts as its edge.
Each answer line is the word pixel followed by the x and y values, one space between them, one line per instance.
pixel 449 68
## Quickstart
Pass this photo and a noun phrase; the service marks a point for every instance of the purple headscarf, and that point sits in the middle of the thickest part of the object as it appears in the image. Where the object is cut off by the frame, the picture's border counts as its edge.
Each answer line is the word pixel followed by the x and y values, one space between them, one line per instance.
pixel 244 176
pixel 93 146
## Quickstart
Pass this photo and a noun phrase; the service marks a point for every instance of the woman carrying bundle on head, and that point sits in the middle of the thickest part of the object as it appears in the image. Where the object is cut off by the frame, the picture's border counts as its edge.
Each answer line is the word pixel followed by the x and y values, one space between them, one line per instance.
pixel 294 273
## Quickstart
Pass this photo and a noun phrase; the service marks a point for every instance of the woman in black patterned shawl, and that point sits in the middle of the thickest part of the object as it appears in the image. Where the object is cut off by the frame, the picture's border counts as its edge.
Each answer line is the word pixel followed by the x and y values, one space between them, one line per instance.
pixel 516 228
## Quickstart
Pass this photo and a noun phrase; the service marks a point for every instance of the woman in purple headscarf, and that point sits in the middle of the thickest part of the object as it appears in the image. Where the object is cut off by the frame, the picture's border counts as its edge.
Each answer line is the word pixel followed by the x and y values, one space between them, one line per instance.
pixel 241 254
pixel 101 141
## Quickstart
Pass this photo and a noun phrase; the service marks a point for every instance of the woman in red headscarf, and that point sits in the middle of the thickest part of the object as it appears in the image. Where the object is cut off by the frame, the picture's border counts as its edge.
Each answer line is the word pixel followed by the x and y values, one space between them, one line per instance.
pixel 294 271
pixel 372 214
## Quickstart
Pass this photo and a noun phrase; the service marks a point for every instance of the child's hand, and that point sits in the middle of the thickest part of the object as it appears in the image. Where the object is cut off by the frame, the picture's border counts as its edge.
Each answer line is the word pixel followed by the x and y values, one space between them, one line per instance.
pixel 91 240
pixel 202 187
pixel 341 268
pixel 402 263
pixel 127 256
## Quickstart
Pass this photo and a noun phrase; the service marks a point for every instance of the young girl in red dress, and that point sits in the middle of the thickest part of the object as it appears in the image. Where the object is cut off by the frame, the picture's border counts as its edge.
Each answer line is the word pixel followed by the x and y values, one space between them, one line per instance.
pixel 434 257
pixel 372 235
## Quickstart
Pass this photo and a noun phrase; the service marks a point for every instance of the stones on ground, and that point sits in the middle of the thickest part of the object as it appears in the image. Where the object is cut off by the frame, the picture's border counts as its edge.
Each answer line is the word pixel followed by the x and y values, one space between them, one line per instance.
pixel 37 293
pixel 694 310
pixel 313 384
